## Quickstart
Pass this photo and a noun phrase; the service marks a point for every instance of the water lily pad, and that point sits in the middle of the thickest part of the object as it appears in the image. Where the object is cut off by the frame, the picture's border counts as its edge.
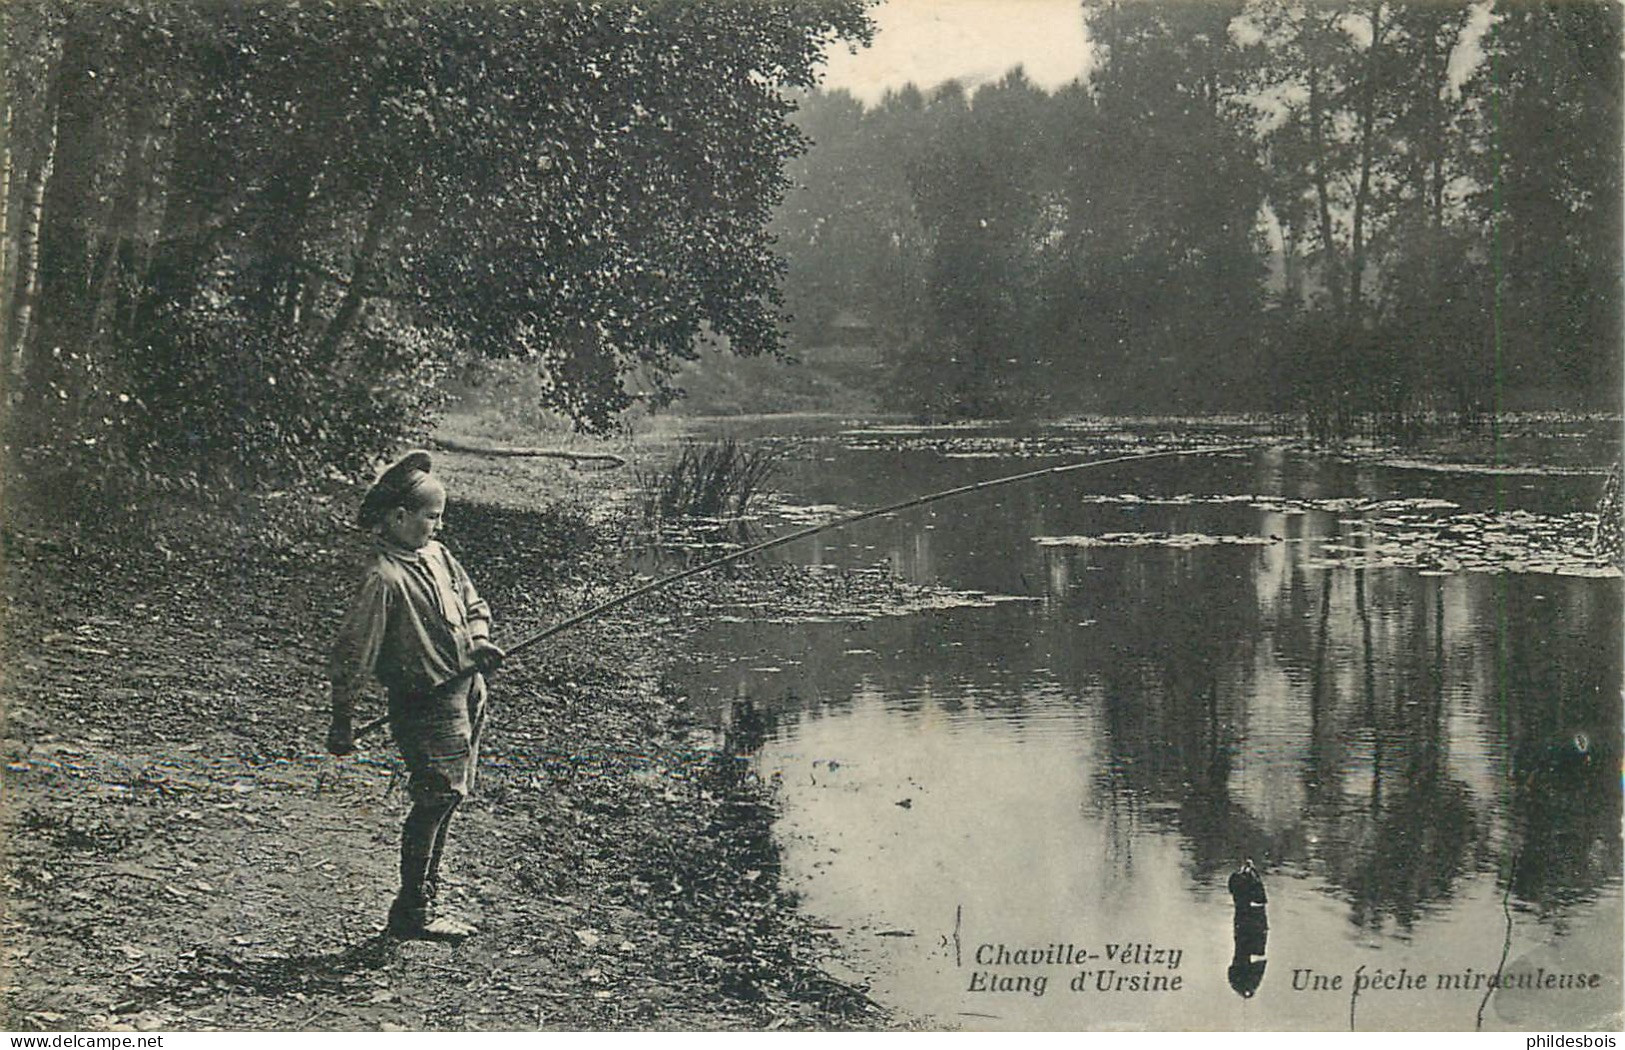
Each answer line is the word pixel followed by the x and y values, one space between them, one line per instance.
pixel 1150 539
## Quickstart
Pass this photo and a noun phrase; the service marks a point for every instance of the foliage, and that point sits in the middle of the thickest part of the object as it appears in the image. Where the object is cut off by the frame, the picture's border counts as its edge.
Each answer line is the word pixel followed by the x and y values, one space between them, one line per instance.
pixel 251 237
pixel 1375 213
pixel 849 229
pixel 1547 176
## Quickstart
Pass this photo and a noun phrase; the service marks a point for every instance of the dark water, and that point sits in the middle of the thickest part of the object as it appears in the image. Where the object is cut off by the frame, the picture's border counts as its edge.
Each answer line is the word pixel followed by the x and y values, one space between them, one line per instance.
pixel 1423 764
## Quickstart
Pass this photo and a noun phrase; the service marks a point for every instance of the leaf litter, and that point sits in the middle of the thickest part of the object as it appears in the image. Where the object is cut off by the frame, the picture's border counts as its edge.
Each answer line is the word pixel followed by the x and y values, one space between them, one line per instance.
pixel 183 855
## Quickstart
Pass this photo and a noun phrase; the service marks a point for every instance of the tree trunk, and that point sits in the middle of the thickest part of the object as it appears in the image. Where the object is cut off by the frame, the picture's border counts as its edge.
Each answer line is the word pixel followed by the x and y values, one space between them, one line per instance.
pixel 356 294
pixel 187 231
pixel 1362 196
pixel 528 452
pixel 150 210
pixel 1439 48
pixel 5 212
pixel 1328 237
pixel 125 213
pixel 1291 264
pixel 55 336
pixel 25 293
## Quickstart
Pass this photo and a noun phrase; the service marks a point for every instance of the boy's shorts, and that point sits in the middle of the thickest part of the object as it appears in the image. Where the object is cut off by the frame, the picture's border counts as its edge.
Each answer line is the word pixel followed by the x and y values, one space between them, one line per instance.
pixel 438 733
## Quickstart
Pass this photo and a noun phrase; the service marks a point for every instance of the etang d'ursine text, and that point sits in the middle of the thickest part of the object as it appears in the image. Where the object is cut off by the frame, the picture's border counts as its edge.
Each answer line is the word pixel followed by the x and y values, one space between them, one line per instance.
pixel 1137 966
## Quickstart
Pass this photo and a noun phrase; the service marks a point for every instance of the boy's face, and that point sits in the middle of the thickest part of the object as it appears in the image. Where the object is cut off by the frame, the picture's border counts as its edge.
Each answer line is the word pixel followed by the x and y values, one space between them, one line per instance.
pixel 415 528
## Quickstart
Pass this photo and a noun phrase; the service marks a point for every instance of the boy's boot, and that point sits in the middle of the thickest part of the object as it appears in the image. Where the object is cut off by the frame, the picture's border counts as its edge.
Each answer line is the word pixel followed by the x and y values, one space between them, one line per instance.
pixel 412 916
pixel 431 878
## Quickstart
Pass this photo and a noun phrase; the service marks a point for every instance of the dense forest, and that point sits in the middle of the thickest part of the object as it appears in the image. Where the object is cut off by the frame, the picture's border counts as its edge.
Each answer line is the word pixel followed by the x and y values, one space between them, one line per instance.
pixel 249 242
pixel 1367 213
pixel 244 243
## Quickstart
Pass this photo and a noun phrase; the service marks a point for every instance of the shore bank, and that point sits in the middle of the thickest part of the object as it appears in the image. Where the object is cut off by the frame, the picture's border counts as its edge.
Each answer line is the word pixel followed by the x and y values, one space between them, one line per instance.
pixel 181 854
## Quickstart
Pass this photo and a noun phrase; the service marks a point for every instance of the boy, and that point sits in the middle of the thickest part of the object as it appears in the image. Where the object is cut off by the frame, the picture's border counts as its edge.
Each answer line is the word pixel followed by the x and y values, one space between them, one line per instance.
pixel 417 626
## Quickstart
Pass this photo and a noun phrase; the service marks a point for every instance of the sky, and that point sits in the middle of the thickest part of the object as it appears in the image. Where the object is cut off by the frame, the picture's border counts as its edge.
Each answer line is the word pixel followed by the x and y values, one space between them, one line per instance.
pixel 928 41
pixel 925 42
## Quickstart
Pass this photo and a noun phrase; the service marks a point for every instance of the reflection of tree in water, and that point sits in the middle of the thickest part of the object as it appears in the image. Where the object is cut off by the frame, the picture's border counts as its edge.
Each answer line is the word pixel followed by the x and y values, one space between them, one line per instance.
pixel 1387 818
pixel 1567 837
pixel 1563 718
pixel 1171 653
pixel 1374 670
pixel 1415 833
pixel 1397 827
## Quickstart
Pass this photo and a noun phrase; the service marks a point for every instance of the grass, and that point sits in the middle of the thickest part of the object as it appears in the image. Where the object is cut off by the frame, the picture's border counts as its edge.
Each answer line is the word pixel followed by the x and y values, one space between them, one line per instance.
pixel 720 482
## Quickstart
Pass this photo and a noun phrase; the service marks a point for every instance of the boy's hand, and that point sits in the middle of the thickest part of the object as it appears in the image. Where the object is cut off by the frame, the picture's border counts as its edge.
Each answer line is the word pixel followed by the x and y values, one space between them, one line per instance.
pixel 340 737
pixel 486 656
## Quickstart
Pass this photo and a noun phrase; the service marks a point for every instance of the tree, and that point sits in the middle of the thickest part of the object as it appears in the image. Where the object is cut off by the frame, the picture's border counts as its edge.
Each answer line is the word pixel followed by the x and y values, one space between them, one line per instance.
pixel 250 236
pixel 1378 213
pixel 979 191
pixel 852 240
pixel 1367 135
pixel 1548 172
pixel 1166 272
pixel 1437 309
pixel 850 229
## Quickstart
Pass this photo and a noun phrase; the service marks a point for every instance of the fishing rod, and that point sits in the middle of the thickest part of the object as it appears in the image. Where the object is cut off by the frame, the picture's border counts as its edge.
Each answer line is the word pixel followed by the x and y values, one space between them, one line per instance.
pixel 813 530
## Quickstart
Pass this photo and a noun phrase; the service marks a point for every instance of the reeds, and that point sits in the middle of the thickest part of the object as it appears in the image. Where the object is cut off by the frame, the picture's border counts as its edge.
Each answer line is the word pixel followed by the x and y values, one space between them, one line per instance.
pixel 716 484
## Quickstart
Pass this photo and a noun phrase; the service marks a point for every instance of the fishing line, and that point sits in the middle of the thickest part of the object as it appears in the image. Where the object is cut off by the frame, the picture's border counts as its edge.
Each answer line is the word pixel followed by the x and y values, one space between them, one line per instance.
pixel 813 530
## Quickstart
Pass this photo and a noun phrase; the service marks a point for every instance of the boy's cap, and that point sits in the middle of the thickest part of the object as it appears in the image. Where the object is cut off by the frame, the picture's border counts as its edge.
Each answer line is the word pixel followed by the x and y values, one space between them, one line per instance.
pixel 392 486
pixel 417 459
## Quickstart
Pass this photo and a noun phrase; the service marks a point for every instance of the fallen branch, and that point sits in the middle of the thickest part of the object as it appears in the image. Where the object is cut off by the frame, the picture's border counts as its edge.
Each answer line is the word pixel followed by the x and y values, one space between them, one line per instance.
pixel 538 453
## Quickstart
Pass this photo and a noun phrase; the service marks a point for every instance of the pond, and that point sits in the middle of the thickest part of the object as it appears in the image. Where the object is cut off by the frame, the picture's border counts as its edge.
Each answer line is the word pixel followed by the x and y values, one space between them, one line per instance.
pixel 1393 686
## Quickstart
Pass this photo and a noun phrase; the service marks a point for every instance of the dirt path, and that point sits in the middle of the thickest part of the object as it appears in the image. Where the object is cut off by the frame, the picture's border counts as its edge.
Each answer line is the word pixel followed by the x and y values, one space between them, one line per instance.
pixel 181 854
